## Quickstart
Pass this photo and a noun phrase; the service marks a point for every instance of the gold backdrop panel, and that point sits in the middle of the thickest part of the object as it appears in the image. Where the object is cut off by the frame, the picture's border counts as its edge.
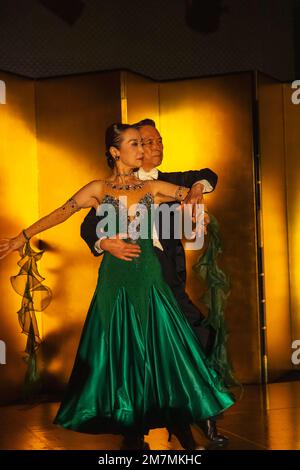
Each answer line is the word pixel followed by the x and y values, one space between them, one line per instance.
pixel 208 123
pixel 19 196
pixel 292 141
pixel 72 115
pixel 52 143
pixel 274 226
pixel 142 98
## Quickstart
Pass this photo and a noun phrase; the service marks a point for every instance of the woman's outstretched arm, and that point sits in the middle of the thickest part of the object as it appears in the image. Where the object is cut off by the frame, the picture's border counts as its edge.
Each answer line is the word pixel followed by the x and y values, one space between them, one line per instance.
pixel 163 191
pixel 88 196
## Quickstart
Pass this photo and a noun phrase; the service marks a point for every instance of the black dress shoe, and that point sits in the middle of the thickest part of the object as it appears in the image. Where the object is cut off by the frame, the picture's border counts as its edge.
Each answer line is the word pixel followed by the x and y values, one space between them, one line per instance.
pixel 209 428
pixel 184 435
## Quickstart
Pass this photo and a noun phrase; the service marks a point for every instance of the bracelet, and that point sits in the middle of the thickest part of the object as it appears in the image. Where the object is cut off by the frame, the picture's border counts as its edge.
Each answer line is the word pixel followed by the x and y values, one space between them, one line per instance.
pixel 25 235
pixel 179 193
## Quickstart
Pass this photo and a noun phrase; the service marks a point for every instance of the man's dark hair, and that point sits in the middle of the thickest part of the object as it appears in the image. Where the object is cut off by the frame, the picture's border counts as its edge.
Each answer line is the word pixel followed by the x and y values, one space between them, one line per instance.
pixel 144 122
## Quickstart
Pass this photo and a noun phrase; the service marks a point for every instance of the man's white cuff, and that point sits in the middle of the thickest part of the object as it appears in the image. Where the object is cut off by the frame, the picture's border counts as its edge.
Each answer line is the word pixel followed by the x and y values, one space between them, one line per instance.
pixel 97 245
pixel 207 187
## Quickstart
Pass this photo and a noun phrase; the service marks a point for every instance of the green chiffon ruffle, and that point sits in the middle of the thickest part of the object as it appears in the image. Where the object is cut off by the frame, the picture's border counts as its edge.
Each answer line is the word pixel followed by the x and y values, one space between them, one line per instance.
pixel 215 298
pixel 28 283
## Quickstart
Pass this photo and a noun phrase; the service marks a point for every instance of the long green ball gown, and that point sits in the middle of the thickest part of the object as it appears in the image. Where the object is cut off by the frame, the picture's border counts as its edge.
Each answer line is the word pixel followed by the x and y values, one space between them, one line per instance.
pixel 139 365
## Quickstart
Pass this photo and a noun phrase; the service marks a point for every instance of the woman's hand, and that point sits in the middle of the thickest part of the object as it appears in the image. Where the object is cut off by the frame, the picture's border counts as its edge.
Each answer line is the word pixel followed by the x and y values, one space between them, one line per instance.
pixel 194 197
pixel 206 222
pixel 7 245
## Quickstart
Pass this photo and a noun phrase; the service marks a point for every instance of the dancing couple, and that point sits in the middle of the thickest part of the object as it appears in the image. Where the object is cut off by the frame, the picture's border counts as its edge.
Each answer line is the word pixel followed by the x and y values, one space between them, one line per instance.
pixel 142 358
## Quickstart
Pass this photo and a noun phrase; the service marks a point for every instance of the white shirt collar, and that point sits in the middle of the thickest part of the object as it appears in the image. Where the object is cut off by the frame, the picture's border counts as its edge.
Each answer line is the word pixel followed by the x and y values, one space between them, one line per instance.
pixel 147 175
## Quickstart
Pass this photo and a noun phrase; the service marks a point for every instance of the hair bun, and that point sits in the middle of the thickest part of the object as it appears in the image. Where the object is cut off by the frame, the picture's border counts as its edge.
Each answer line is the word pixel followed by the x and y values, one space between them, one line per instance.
pixel 113 138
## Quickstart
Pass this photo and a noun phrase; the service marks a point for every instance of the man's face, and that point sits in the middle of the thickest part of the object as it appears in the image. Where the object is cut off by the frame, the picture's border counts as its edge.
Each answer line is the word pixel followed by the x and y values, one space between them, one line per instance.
pixel 153 147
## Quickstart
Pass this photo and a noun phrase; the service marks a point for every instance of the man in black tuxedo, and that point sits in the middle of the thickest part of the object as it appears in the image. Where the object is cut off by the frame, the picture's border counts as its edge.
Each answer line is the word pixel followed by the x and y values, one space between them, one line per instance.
pixel 169 251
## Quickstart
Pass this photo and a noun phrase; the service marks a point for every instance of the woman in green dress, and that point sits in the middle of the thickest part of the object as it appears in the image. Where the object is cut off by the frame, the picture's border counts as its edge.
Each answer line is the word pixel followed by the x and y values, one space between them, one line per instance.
pixel 139 365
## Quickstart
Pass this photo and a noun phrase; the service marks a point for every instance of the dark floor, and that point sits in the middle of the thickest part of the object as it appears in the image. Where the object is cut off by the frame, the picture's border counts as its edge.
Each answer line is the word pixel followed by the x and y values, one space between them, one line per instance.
pixel 263 419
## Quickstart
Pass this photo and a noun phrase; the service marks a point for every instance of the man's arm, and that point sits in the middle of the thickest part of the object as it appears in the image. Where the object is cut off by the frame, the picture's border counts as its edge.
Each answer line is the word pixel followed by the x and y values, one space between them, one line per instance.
pixel 116 247
pixel 188 178
pixel 88 230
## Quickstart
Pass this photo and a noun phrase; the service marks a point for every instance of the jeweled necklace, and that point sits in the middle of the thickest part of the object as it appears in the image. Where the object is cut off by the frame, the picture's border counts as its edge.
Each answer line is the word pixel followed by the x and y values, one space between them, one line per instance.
pixel 125 186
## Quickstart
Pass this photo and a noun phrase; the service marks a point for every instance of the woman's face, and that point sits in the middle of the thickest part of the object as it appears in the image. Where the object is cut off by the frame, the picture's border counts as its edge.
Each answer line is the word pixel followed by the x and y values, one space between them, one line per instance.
pixel 131 150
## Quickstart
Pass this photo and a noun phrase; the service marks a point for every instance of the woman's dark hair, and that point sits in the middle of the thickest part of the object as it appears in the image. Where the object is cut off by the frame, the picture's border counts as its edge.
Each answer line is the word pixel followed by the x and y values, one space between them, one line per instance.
pixel 113 138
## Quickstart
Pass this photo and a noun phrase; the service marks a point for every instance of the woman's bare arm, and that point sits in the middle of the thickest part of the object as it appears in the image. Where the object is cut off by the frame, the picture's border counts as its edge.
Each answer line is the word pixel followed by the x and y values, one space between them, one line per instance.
pixel 87 196
pixel 163 191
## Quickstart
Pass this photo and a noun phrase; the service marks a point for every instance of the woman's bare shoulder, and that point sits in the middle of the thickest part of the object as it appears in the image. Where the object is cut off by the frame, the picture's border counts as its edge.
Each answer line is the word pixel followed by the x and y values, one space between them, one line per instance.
pixel 97 185
pixel 100 182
